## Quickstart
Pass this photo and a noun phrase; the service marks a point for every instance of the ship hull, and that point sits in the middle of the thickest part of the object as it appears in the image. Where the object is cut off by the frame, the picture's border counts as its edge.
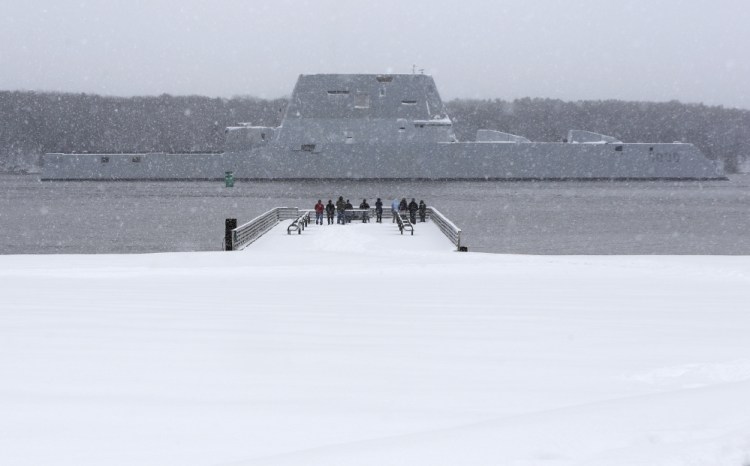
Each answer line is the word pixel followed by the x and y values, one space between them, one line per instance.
pixel 436 161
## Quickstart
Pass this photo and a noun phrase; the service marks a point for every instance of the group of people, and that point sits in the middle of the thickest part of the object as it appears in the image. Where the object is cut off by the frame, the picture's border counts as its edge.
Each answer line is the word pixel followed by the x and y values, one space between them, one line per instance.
pixel 412 207
pixel 343 209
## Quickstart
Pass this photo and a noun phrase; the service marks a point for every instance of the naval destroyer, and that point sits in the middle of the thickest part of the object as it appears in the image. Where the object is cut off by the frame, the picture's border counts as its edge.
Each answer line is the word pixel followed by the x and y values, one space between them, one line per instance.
pixel 391 126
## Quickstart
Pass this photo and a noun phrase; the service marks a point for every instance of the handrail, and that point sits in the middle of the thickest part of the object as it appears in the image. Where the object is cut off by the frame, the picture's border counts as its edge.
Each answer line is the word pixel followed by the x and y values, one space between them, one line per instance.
pixel 448 228
pixel 299 223
pixel 404 224
pixel 407 224
pixel 247 233
pixel 370 212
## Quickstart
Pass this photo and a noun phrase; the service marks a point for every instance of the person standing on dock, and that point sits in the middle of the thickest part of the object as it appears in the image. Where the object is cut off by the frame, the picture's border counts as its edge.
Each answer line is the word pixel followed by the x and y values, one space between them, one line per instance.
pixel 379 211
pixel 330 210
pixel 319 208
pixel 413 208
pixel 403 206
pixel 394 209
pixel 348 215
pixel 341 209
pixel 422 211
pixel 366 214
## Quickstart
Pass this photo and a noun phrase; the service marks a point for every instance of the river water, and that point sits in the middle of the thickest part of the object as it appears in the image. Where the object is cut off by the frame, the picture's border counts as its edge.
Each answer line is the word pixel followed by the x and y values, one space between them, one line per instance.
pixel 643 217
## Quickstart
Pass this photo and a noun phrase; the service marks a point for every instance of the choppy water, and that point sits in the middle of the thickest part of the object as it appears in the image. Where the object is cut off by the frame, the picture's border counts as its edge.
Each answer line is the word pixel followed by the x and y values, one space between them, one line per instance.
pixel 504 217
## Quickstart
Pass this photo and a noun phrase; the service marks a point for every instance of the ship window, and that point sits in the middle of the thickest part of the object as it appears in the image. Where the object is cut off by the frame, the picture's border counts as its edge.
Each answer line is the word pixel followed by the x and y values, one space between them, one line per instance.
pixel 105 159
pixel 136 159
pixel 382 92
pixel 362 100
pixel 409 102
pixel 338 92
pixel 263 136
pixel 384 79
pixel 618 148
pixel 308 147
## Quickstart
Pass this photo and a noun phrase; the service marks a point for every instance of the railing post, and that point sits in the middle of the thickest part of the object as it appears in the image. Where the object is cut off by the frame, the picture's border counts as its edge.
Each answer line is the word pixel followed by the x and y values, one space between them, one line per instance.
pixel 461 248
pixel 229 225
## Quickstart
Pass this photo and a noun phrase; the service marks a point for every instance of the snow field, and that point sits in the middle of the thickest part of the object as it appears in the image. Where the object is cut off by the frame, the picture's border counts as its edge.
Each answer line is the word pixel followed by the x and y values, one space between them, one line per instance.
pixel 359 346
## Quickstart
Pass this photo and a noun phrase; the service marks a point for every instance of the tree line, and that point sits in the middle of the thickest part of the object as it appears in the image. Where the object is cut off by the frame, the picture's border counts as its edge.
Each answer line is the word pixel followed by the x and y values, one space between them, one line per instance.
pixel 33 123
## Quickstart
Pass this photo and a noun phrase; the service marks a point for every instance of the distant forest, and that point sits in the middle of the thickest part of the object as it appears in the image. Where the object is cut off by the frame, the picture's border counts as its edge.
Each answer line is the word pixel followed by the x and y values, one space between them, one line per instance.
pixel 32 123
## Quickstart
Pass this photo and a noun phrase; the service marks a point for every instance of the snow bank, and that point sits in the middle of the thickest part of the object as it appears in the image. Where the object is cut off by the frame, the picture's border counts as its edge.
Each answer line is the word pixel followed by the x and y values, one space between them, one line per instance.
pixel 351 353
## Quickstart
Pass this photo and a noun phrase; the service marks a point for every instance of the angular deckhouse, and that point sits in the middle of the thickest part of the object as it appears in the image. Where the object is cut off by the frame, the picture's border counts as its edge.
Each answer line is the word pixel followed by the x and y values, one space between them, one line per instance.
pixel 389 127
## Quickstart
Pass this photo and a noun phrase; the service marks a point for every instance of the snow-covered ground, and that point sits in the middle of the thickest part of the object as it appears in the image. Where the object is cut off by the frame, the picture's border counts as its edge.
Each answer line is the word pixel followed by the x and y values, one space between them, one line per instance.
pixel 354 345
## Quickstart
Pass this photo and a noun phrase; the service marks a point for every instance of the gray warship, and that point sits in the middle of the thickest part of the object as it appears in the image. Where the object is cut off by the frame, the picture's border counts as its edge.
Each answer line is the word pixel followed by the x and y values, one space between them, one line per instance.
pixel 394 126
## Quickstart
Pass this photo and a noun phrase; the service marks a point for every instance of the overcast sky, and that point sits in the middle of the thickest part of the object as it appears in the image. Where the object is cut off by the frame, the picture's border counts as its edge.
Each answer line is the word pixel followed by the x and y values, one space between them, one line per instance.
pixel 689 50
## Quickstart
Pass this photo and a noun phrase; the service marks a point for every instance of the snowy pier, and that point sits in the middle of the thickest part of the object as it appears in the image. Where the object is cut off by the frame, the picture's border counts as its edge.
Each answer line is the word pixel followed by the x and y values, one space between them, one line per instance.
pixel 281 221
pixel 353 237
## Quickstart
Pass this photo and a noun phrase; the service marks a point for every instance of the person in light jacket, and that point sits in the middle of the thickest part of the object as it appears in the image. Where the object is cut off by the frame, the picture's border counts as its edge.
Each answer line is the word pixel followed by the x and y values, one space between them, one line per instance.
pixel 394 209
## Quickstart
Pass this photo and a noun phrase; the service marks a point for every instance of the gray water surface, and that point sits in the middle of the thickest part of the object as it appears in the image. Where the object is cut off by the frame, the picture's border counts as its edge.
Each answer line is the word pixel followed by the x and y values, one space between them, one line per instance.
pixel 644 217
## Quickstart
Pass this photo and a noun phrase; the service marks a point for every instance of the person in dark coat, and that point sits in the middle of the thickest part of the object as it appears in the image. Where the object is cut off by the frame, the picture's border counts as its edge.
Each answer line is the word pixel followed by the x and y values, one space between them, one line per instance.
pixel 319 208
pixel 422 211
pixel 413 208
pixel 341 209
pixel 379 211
pixel 403 205
pixel 347 215
pixel 330 210
pixel 366 213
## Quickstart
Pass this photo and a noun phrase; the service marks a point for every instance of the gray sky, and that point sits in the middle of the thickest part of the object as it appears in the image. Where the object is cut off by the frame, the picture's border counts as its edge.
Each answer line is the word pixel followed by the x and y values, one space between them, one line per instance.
pixel 690 50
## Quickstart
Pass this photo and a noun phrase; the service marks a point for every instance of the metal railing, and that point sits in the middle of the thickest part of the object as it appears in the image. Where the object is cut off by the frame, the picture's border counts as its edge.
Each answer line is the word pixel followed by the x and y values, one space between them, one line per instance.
pixel 448 228
pixel 358 214
pixel 299 223
pixel 247 233
pixel 404 224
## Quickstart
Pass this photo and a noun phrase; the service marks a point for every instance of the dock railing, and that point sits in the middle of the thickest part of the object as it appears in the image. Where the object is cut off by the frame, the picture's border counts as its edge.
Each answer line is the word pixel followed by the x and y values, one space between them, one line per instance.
pixel 299 223
pixel 404 224
pixel 448 228
pixel 247 233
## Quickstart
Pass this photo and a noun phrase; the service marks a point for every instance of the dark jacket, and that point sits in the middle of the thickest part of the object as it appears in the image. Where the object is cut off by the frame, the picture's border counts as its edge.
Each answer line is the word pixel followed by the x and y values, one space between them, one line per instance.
pixel 422 208
pixel 364 205
pixel 379 206
pixel 413 207
pixel 403 205
pixel 348 206
pixel 330 208
pixel 340 205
